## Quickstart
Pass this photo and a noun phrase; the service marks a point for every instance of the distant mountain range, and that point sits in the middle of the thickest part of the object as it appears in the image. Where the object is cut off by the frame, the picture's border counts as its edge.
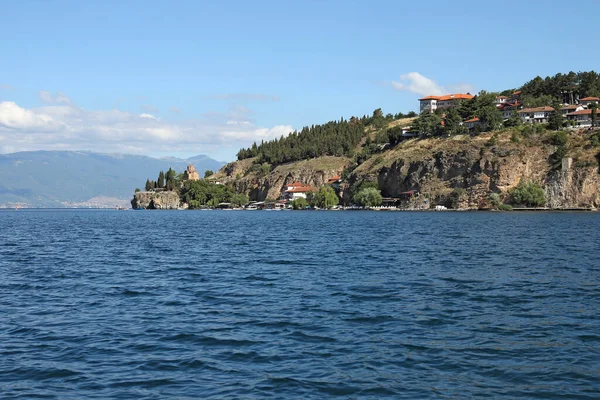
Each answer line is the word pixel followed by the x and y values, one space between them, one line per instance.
pixel 79 178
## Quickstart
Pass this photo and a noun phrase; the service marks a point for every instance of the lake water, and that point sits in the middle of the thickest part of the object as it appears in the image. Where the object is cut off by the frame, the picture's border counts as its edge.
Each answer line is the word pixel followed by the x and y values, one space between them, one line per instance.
pixel 311 305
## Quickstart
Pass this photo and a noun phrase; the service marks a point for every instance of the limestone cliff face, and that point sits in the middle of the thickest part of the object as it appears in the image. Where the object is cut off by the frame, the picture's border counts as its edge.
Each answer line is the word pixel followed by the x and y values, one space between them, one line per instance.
pixel 259 186
pixel 156 200
pixel 438 167
pixel 473 167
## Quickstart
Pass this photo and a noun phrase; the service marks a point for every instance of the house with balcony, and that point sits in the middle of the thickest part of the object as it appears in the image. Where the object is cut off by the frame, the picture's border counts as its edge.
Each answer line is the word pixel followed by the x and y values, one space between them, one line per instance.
pixel 586 101
pixel 582 117
pixel 432 103
pixel 535 115
pixel 508 107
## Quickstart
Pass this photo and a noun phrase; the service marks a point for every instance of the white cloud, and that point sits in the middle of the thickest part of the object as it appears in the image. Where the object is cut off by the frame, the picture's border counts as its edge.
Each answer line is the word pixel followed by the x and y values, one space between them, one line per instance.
pixel 149 116
pixel 14 117
pixel 59 98
pixel 419 84
pixel 414 82
pixel 63 126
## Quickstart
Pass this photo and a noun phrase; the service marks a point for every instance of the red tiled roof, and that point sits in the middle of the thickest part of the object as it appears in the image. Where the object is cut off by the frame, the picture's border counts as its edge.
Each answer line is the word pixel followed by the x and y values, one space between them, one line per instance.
pixel 508 104
pixel 570 107
pixel 471 120
pixel 581 112
pixel 298 184
pixel 501 97
pixel 430 98
pixel 590 99
pixel 536 109
pixel 445 97
pixel 517 92
pixel 301 189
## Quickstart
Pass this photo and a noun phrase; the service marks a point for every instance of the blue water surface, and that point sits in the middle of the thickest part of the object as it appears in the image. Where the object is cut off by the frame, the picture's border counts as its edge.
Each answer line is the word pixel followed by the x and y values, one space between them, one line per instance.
pixel 362 305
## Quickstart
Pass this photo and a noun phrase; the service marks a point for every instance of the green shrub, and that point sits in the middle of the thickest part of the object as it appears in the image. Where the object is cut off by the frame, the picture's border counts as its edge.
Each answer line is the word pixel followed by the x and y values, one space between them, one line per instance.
pixel 493 140
pixel 299 204
pixel 505 207
pixel 529 194
pixel 515 137
pixel 368 197
pixel 559 138
pixel 495 200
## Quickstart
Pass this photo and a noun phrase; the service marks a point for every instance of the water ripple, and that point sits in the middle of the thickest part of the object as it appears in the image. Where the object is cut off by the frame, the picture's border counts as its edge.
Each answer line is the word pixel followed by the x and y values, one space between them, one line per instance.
pixel 187 305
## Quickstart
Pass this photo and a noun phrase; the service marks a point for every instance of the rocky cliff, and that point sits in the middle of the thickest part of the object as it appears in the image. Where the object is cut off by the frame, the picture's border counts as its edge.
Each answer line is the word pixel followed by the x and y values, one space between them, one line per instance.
pixel 261 185
pixel 472 168
pixel 156 200
pixel 463 168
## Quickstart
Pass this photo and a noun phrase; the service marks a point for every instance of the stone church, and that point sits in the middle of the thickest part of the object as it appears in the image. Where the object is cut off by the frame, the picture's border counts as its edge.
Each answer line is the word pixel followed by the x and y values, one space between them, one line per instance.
pixel 191 174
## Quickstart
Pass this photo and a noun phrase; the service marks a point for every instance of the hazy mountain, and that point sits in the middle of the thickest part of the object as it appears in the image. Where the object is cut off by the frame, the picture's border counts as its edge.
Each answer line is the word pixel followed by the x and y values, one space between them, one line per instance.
pixel 67 178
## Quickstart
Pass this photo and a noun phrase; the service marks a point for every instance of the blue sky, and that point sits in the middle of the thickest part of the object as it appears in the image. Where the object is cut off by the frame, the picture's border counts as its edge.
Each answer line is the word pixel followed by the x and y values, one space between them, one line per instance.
pixel 189 77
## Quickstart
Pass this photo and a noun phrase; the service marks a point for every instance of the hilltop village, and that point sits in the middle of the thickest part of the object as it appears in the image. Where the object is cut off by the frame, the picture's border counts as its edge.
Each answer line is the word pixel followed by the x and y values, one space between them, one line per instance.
pixel 537 146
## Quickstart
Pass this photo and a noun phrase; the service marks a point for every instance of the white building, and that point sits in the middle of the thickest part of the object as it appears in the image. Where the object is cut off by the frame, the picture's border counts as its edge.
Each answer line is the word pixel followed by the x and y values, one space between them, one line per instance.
pixel 535 115
pixel 500 100
pixel 432 103
pixel 507 108
pixel 582 117
pixel 296 190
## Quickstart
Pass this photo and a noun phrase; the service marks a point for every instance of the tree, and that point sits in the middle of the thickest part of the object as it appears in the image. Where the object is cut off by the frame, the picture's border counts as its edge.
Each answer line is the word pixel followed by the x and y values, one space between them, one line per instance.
pixel 299 204
pixel 539 101
pixel 452 122
pixel 428 124
pixel 148 185
pixel 368 197
pixel 324 198
pixel 137 190
pixel 358 186
pixel 490 118
pixel 239 199
pixel 208 172
pixel 594 108
pixel 529 194
pixel 161 180
pixel 378 120
pixel 555 121
pixel 170 183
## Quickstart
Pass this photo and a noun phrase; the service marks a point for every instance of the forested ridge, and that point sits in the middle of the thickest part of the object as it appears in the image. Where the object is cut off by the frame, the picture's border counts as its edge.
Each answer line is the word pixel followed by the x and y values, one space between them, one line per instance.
pixel 334 138
pixel 341 138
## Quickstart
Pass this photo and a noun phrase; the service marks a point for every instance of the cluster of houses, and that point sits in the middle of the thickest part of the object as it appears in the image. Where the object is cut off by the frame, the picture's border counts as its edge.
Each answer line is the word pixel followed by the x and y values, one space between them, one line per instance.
pixel 578 112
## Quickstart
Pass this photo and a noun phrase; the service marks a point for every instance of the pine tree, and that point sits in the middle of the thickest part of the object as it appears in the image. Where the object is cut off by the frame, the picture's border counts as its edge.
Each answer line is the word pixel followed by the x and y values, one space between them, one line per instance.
pixel 161 180
pixel 555 120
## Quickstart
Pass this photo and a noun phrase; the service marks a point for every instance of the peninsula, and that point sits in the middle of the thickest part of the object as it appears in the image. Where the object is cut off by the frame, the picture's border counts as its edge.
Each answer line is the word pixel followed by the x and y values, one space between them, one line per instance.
pixel 533 146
